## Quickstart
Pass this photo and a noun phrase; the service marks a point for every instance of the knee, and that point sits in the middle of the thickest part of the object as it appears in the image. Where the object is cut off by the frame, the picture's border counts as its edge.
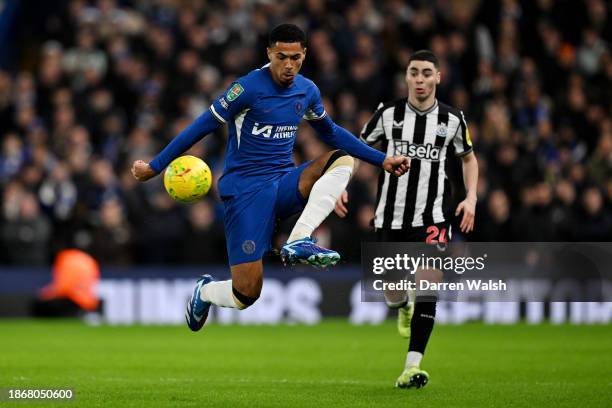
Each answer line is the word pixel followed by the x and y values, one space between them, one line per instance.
pixel 338 158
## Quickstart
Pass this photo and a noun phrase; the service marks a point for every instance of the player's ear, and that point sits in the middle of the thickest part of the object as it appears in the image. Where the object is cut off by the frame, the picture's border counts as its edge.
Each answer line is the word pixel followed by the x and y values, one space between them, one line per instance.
pixel 269 52
pixel 438 78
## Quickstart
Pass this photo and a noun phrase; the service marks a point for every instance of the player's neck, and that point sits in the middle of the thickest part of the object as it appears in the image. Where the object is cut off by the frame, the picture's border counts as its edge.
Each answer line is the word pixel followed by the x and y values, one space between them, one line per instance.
pixel 424 105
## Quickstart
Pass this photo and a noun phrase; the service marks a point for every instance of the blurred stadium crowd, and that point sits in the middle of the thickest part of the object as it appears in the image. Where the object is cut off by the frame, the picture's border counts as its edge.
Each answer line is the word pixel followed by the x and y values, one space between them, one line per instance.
pixel 92 85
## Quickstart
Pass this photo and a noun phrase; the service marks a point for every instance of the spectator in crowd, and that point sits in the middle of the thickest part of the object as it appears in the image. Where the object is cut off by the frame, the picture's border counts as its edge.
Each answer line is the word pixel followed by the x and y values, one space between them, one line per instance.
pixel 110 235
pixel 26 233
pixel 595 221
pixel 202 242
pixel 496 225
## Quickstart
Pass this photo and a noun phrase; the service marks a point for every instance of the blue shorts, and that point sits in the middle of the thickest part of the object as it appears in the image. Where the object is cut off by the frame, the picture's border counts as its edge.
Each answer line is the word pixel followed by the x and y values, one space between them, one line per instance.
pixel 250 217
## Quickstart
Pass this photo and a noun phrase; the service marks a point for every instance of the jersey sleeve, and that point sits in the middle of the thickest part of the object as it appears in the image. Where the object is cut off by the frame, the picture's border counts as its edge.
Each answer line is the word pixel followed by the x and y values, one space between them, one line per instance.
pixel 461 140
pixel 238 97
pixel 373 131
pixel 199 128
pixel 315 110
pixel 340 138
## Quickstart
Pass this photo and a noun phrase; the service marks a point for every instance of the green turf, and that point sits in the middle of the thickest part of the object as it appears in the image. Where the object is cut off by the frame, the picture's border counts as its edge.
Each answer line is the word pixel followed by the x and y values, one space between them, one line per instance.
pixel 332 364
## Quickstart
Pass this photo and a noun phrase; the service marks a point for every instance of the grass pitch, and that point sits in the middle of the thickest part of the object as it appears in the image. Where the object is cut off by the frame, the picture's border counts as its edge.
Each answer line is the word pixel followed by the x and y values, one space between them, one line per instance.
pixel 333 364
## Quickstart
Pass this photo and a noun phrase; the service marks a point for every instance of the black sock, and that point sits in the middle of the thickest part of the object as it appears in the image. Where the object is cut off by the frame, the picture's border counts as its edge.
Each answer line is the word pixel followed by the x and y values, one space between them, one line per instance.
pixel 422 322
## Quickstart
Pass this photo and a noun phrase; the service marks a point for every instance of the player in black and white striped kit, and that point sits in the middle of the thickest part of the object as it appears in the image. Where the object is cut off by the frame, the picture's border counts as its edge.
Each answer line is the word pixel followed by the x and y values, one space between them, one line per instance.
pixel 416 207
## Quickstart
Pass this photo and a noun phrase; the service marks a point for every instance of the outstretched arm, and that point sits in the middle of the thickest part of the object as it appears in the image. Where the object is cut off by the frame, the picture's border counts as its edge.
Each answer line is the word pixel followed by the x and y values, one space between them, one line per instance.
pixel 470 179
pixel 203 125
pixel 340 138
pixel 234 100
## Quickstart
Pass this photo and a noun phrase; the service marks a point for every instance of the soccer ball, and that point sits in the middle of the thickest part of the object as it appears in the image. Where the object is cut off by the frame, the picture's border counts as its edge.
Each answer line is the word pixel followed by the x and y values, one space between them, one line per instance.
pixel 187 179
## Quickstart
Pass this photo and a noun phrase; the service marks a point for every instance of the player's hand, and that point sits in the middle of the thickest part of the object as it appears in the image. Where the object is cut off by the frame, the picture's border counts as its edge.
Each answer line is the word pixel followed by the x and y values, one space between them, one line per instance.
pixel 341 209
pixel 396 165
pixel 468 207
pixel 142 171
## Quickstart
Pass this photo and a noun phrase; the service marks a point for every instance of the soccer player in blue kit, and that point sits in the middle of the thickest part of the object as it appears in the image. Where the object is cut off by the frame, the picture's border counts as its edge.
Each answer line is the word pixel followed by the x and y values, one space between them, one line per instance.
pixel 260 182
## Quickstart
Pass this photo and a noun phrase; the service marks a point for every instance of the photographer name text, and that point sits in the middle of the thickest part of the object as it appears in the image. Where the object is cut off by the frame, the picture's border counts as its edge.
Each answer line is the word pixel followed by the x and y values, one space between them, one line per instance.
pixel 467 284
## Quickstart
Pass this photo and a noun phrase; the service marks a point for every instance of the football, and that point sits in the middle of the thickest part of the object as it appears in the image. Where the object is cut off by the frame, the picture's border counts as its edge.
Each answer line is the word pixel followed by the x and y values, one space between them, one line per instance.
pixel 187 179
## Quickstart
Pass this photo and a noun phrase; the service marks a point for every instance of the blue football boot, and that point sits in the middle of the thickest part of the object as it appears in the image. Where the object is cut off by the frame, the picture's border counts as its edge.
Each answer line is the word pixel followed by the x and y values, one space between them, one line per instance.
pixel 197 309
pixel 306 251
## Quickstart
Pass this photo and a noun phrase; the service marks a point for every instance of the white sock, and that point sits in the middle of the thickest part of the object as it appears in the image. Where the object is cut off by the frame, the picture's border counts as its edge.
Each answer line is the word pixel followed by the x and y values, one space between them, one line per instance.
pixel 413 359
pixel 322 200
pixel 220 294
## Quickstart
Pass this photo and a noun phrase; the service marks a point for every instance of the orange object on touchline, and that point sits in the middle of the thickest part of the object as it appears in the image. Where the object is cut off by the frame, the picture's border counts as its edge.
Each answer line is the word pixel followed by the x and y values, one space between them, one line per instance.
pixel 75 276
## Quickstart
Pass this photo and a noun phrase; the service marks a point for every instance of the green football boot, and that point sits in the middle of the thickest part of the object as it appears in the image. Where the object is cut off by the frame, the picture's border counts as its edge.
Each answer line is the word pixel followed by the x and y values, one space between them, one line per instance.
pixel 404 317
pixel 412 377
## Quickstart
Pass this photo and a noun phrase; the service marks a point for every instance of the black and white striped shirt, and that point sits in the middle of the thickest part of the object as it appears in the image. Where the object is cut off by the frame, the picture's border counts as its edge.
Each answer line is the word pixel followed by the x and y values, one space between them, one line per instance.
pixel 421 197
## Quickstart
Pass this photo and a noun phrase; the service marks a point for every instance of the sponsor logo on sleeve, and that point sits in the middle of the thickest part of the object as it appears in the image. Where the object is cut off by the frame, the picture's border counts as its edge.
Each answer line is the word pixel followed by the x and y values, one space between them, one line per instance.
pixel 235 91
pixel 223 103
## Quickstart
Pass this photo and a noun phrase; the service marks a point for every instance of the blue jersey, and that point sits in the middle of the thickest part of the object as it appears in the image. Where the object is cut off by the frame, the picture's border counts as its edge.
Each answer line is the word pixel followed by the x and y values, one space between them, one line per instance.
pixel 263 119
